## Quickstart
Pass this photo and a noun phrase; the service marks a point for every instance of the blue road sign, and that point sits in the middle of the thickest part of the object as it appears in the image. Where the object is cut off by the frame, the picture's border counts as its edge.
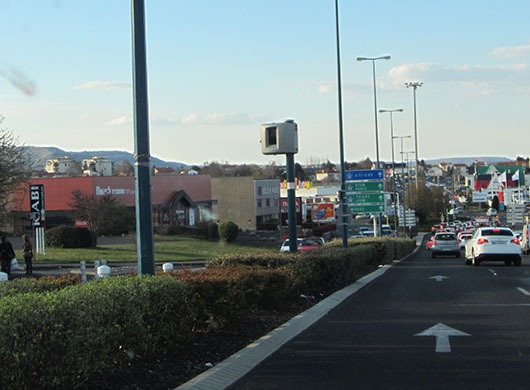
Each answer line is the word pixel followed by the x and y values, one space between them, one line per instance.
pixel 369 174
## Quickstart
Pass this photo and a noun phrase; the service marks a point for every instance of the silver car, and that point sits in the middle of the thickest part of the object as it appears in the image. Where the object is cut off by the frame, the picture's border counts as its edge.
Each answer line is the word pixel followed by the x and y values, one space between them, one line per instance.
pixel 445 243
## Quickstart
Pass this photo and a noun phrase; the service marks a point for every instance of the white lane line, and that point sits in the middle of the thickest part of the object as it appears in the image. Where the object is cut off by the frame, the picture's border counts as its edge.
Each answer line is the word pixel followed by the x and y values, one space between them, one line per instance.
pixel 523 291
pixel 492 271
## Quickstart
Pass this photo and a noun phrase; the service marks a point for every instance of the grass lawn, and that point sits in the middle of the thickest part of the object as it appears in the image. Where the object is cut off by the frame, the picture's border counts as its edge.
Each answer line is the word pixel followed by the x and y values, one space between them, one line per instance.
pixel 167 248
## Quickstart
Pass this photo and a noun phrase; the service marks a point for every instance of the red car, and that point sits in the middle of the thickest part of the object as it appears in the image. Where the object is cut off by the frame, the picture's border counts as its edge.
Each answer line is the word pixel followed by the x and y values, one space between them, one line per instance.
pixel 429 243
pixel 309 244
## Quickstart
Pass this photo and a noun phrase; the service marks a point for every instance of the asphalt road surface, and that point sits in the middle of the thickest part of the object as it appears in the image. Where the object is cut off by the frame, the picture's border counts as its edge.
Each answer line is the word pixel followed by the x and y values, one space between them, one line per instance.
pixel 425 324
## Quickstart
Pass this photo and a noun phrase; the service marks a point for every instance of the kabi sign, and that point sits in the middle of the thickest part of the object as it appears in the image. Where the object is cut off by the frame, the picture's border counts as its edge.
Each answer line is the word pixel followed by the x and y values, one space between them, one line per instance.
pixel 36 208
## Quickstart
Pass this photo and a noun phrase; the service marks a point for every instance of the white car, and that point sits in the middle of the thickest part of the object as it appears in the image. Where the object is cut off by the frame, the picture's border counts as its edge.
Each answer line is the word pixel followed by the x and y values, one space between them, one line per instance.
pixel 495 244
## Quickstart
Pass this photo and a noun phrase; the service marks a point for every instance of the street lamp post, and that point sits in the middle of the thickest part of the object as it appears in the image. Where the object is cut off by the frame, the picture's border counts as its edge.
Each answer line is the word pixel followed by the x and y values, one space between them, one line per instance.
pixel 373 59
pixel 341 138
pixel 393 163
pixel 414 85
pixel 401 137
pixel 407 159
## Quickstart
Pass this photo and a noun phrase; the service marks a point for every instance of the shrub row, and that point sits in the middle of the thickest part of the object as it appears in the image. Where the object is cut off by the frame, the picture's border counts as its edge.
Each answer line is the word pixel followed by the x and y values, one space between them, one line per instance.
pixel 58 340
pixel 61 338
pixel 69 237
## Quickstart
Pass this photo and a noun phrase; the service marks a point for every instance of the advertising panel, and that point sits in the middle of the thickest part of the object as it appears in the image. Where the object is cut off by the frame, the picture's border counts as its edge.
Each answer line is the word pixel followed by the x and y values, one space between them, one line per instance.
pixel 323 212
pixel 284 213
pixel 36 205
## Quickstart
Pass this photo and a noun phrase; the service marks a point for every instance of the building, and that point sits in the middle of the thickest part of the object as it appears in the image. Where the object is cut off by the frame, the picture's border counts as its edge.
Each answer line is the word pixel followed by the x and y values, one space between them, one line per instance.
pixel 60 165
pixel 176 199
pixel 100 166
pixel 245 201
pixel 267 194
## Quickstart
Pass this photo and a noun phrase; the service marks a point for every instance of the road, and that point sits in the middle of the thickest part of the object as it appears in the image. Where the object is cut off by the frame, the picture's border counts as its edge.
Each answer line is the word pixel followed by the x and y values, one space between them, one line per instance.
pixel 425 324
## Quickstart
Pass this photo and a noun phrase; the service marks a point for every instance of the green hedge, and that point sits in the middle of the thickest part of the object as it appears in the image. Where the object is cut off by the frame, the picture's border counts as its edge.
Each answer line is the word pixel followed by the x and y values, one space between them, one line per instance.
pixel 58 340
pixel 56 335
pixel 68 237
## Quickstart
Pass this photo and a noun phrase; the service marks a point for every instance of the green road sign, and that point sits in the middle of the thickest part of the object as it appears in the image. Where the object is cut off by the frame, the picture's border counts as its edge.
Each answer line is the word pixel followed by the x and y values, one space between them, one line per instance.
pixel 369 186
pixel 367 208
pixel 366 197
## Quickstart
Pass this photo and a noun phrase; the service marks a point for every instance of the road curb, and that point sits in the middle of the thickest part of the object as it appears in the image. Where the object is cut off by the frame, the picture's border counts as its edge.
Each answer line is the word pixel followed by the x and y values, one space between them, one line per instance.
pixel 242 362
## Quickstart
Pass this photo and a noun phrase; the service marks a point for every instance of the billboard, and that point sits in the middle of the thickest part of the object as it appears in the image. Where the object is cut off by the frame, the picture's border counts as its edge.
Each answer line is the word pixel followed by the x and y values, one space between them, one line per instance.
pixel 284 207
pixel 323 212
pixel 36 204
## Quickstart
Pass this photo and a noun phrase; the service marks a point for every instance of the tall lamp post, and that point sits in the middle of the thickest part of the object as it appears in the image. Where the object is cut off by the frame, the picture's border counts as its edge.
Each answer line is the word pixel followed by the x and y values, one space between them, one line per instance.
pixel 401 137
pixel 407 159
pixel 393 163
pixel 373 59
pixel 341 138
pixel 414 85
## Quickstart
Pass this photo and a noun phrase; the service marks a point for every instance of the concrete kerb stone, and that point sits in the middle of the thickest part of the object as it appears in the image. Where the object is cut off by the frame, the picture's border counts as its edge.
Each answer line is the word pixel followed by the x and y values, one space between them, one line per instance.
pixel 239 364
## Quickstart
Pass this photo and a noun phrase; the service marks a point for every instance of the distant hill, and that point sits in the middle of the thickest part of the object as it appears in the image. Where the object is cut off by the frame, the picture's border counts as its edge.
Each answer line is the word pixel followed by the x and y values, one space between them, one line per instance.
pixel 41 154
pixel 468 160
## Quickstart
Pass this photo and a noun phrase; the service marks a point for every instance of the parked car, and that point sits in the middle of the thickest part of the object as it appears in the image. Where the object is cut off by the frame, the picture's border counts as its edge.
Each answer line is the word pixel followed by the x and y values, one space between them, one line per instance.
pixel 445 243
pixel 493 244
pixel 311 243
pixel 285 245
pixel 304 244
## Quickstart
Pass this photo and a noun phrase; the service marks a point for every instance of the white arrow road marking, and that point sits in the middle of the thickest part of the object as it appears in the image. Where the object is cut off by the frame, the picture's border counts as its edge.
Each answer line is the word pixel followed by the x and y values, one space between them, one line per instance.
pixel 442 333
pixel 523 291
pixel 493 272
pixel 439 278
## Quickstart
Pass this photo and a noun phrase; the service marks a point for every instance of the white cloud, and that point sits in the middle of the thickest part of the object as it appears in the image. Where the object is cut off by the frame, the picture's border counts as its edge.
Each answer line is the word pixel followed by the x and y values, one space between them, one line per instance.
pixel 122 120
pixel 479 77
pixel 511 51
pixel 216 118
pixel 103 85
pixel 325 87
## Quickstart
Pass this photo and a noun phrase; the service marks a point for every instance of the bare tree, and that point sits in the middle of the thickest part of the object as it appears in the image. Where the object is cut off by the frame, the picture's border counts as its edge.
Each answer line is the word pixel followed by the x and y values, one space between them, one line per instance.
pixel 124 169
pixel 15 168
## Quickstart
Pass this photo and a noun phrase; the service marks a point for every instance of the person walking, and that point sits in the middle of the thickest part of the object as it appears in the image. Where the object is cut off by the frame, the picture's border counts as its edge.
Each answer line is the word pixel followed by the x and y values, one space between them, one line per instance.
pixel 8 254
pixel 28 254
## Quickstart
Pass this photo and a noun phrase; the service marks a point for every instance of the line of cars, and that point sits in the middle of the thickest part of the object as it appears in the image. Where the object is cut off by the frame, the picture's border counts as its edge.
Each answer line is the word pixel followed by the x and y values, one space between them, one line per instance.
pixel 479 244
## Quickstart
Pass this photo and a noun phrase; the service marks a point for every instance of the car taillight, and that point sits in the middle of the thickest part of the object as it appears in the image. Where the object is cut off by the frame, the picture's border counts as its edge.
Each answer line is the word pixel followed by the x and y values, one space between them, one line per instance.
pixel 515 241
pixel 481 241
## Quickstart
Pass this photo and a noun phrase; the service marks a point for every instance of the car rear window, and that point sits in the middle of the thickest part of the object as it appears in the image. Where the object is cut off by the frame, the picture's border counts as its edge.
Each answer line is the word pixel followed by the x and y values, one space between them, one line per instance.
pixel 445 237
pixel 496 232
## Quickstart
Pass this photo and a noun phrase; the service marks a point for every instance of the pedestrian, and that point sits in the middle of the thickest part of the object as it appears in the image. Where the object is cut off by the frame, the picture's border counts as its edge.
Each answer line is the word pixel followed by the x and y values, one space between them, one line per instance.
pixel 8 254
pixel 28 254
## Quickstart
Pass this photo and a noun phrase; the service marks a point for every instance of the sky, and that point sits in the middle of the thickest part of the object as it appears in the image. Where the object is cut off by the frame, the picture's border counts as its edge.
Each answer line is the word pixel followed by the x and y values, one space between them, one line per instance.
pixel 217 70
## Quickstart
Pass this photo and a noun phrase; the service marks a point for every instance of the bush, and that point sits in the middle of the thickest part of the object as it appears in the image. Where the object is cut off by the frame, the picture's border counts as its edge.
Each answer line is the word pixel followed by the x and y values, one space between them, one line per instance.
pixel 58 340
pixel 228 231
pixel 199 231
pixel 68 237
pixel 213 231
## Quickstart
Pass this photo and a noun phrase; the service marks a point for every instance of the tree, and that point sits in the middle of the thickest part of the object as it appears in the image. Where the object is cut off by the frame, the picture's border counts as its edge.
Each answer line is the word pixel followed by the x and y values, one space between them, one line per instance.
pixel 104 215
pixel 124 169
pixel 15 168
pixel 299 172
pixel 428 202
pixel 365 164
pixel 213 169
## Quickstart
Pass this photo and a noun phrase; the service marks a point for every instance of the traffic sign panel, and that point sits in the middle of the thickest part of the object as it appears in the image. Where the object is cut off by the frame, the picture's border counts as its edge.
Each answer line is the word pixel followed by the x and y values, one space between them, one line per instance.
pixel 367 208
pixel 368 186
pixel 369 174
pixel 365 198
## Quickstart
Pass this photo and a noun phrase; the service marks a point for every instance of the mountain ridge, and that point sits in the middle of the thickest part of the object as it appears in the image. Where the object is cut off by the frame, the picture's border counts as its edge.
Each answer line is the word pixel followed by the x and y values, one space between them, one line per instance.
pixel 40 154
